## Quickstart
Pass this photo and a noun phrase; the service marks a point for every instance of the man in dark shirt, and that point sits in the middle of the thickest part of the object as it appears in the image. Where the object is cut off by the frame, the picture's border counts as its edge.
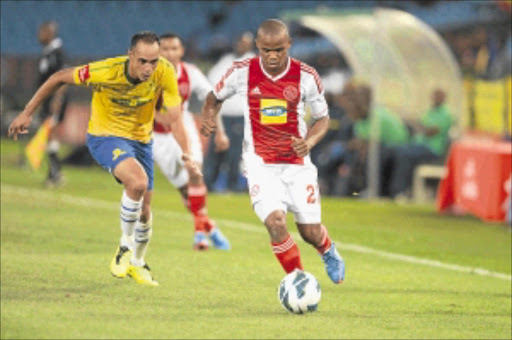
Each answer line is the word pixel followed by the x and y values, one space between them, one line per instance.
pixel 51 61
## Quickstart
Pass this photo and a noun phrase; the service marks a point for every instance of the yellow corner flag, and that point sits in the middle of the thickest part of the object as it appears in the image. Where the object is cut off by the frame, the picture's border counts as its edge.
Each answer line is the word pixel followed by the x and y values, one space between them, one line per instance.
pixel 37 145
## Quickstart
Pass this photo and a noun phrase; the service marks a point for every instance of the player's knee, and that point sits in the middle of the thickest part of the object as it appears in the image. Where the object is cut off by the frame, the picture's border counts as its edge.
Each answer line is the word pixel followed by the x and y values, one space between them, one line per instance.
pixel 276 219
pixel 137 186
pixel 276 226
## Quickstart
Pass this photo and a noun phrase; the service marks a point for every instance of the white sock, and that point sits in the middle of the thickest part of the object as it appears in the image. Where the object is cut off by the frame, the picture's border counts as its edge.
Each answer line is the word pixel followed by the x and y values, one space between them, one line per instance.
pixel 130 212
pixel 143 232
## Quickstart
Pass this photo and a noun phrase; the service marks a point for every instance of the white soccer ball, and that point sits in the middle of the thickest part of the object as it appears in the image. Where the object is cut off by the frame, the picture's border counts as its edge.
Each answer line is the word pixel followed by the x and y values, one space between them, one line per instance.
pixel 299 292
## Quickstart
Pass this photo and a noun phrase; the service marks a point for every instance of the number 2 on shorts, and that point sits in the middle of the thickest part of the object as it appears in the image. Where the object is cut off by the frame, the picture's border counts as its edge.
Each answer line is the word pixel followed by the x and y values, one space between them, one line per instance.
pixel 311 197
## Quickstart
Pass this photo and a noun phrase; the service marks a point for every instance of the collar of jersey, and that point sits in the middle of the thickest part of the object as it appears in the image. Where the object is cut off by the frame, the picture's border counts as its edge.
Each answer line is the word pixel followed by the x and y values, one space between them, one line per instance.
pixel 127 74
pixel 279 76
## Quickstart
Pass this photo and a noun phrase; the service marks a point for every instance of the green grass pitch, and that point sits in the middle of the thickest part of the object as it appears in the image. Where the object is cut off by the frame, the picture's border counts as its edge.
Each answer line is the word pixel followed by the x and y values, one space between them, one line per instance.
pixel 56 246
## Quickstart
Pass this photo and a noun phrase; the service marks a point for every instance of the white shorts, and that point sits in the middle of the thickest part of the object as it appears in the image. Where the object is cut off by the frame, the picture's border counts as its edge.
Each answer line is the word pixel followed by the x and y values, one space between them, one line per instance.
pixel 167 152
pixel 286 187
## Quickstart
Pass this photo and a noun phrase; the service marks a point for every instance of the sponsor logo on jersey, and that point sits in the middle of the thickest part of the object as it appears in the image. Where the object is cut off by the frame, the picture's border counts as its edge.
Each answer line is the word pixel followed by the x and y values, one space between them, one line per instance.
pixel 83 74
pixel 116 153
pixel 131 102
pixel 273 111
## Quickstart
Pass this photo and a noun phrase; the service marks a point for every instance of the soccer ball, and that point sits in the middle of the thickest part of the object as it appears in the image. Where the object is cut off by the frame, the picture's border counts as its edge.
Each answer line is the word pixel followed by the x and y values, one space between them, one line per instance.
pixel 299 292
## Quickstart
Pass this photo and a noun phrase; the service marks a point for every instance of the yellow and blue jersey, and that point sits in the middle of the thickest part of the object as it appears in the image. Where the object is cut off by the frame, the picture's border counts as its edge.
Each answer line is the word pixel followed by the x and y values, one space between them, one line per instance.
pixel 122 106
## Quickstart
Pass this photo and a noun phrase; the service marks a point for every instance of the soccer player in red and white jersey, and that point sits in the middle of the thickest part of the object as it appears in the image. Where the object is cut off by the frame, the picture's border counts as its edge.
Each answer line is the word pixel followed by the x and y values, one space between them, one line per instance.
pixel 167 153
pixel 277 143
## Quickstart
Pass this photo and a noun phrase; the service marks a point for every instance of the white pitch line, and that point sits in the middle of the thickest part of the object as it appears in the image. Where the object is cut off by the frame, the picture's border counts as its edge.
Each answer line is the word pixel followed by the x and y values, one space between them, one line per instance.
pixel 101 204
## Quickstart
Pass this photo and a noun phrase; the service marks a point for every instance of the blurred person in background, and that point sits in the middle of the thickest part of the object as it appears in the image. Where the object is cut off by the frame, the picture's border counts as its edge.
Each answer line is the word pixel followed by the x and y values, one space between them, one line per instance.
pixel 329 154
pixel 484 51
pixel 275 90
pixel 430 142
pixel 51 61
pixel 167 152
pixel 233 119
pixel 503 64
pixel 391 132
pixel 119 136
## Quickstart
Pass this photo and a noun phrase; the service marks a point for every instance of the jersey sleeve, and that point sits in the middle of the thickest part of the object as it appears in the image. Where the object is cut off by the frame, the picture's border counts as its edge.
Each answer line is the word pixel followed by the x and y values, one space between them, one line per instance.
pixel 200 84
pixel 314 92
pixel 92 73
pixel 226 87
pixel 170 94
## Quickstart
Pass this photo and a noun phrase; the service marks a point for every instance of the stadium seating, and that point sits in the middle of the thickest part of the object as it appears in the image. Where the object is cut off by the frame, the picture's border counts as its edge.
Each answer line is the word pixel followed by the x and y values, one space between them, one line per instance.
pixel 99 28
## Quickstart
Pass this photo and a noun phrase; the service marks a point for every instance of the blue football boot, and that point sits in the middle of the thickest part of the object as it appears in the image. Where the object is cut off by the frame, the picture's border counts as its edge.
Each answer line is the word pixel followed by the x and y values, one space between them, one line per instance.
pixel 219 240
pixel 334 264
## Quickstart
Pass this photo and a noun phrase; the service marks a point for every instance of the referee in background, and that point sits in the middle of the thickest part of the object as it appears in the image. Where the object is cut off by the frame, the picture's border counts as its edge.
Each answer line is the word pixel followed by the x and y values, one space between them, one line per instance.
pixel 51 61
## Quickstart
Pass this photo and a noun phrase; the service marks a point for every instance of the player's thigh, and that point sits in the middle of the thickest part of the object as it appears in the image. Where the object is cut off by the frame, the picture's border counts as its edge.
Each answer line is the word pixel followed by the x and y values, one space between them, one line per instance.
pixel 167 155
pixel 144 155
pixel 266 190
pixel 131 173
pixel 109 152
pixel 304 195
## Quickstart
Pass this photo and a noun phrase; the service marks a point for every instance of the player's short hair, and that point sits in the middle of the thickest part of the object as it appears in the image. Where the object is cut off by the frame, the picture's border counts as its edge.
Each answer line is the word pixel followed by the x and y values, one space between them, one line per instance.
pixel 272 27
pixel 146 36
pixel 171 35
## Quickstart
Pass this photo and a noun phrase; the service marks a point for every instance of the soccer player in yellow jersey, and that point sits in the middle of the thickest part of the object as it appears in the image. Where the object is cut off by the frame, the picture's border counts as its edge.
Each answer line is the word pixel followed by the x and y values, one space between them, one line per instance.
pixel 119 137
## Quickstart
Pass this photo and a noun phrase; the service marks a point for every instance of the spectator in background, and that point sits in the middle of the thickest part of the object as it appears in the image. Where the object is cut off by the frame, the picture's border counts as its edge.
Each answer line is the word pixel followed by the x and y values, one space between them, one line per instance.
pixel 484 51
pixel 51 61
pixel 503 63
pixel 430 142
pixel 391 132
pixel 233 119
pixel 329 153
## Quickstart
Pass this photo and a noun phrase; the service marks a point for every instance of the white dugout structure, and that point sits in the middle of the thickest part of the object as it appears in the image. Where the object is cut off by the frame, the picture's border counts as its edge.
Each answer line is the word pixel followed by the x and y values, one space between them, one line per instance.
pixel 401 57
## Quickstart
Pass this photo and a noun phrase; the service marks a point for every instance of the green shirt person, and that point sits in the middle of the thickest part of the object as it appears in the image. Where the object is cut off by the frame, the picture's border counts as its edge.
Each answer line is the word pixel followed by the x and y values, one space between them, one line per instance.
pixel 436 124
pixel 429 143
pixel 392 130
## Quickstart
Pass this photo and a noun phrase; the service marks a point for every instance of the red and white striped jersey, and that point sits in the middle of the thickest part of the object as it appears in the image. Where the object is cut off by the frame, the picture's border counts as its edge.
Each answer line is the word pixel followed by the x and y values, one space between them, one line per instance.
pixel 190 79
pixel 274 107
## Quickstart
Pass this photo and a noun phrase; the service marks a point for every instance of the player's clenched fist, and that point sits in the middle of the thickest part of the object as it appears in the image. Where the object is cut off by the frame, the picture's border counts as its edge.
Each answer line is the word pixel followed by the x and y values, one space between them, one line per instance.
pixel 208 126
pixel 301 146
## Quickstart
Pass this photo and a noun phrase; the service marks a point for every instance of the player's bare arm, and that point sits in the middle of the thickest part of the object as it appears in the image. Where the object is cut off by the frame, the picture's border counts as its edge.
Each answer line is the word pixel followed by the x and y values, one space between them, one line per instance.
pixel 318 130
pixel 174 118
pixel 221 139
pixel 209 113
pixel 22 121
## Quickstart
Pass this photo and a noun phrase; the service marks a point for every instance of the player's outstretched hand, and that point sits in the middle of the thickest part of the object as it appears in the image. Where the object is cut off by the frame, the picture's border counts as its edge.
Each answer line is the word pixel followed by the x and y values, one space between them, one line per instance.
pixel 19 125
pixel 300 146
pixel 221 142
pixel 192 166
pixel 208 126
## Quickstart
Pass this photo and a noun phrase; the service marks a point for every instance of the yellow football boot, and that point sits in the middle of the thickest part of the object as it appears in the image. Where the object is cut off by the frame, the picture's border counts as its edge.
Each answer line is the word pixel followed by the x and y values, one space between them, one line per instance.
pixel 142 275
pixel 121 261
